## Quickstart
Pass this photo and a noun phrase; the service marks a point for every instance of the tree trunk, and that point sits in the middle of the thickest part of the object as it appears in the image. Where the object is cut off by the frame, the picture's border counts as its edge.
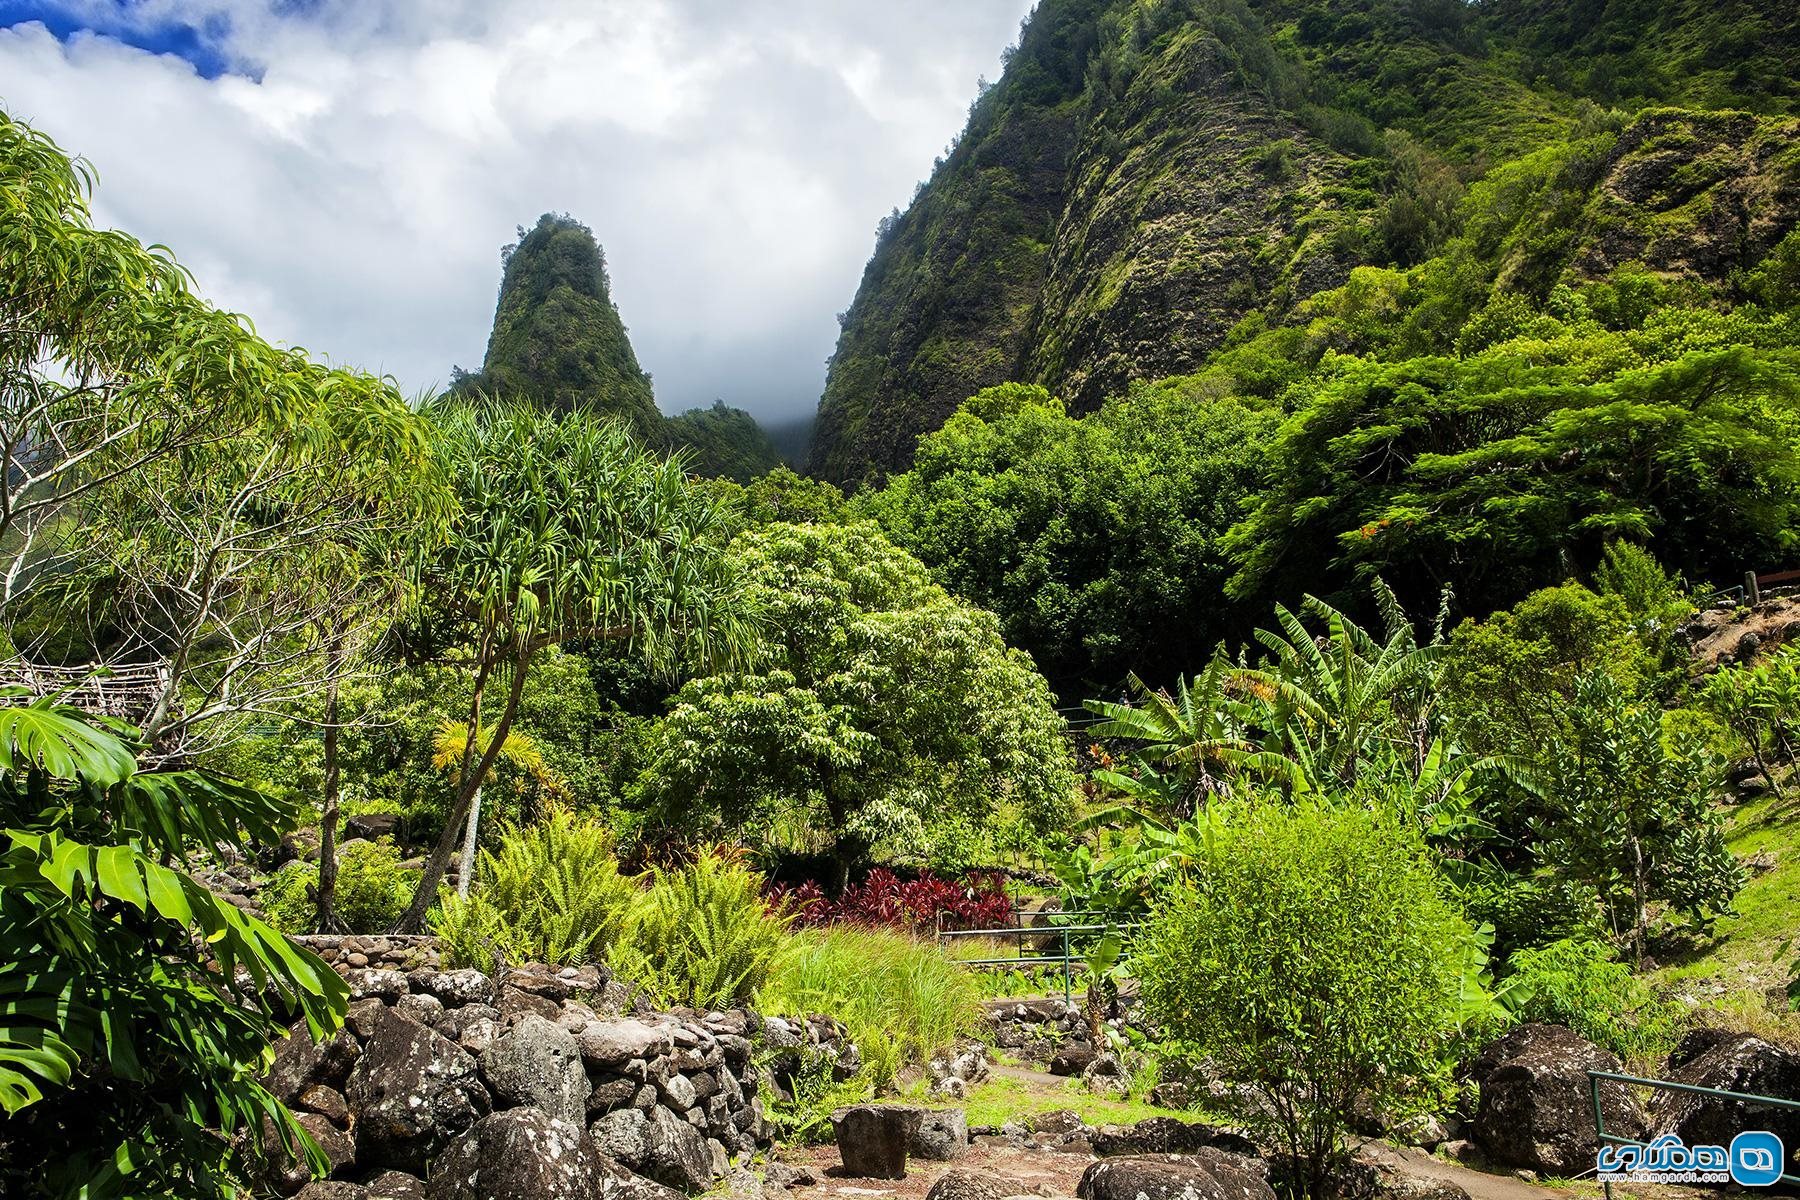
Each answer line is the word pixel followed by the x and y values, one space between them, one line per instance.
pixel 439 860
pixel 1640 919
pixel 466 870
pixel 326 895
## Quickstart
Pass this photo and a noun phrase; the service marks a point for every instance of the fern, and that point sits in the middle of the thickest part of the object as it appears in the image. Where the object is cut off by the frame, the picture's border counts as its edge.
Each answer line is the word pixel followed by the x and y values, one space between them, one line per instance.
pixel 551 892
pixel 703 936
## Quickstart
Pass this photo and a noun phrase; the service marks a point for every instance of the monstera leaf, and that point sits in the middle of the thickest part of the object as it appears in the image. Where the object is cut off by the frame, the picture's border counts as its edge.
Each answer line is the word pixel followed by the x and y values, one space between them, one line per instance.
pixel 60 741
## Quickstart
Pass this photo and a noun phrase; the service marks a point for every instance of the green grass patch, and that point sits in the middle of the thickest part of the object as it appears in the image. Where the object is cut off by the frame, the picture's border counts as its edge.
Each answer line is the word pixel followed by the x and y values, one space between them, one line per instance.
pixel 902 998
pixel 1002 1098
pixel 1728 980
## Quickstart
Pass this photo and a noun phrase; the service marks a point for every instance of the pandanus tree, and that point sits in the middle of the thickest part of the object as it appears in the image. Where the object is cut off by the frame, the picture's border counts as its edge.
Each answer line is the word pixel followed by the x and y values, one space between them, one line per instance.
pixel 565 529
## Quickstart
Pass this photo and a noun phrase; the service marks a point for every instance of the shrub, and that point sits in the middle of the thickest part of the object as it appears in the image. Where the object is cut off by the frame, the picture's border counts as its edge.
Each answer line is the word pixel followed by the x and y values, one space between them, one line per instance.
pixel 551 893
pixel 903 999
pixel 929 902
pixel 1576 982
pixel 1313 957
pixel 703 936
pixel 372 890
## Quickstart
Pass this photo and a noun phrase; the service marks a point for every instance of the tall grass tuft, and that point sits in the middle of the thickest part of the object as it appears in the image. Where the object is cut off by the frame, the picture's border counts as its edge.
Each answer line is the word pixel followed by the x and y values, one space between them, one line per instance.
pixel 903 999
pixel 702 936
pixel 551 893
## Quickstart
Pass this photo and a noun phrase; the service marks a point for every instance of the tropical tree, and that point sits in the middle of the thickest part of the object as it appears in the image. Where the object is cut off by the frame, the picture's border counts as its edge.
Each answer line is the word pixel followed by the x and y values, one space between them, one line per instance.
pixel 883 715
pixel 450 752
pixel 1194 736
pixel 1097 539
pixel 1628 813
pixel 137 1009
pixel 174 486
pixel 1315 960
pixel 565 529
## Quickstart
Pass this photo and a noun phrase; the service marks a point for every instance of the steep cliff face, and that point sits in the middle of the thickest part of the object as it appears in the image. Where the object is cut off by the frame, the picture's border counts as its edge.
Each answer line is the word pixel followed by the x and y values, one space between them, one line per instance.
pixel 1149 173
pixel 557 335
pixel 558 341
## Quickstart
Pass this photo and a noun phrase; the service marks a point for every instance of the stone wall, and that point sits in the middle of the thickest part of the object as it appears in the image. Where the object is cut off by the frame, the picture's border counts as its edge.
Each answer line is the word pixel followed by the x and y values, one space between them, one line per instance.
pixel 658 1100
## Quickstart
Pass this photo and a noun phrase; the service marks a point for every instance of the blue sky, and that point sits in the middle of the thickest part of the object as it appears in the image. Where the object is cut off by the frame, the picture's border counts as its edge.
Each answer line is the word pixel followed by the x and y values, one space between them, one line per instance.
pixel 346 171
pixel 198 43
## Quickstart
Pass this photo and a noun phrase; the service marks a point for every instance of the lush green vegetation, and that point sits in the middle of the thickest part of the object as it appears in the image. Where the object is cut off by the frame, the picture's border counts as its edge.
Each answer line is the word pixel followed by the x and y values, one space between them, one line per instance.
pixel 1150 184
pixel 1350 403
pixel 557 337
pixel 883 715
pixel 1313 956
pixel 902 999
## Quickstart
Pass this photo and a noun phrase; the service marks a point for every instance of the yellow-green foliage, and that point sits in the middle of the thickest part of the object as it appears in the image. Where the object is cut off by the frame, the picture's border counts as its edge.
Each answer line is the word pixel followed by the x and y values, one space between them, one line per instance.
pixel 702 935
pixel 902 998
pixel 551 893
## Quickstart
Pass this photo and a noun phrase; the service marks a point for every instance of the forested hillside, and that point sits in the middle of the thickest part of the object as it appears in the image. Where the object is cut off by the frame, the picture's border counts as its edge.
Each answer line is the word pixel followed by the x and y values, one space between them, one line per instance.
pixel 1151 182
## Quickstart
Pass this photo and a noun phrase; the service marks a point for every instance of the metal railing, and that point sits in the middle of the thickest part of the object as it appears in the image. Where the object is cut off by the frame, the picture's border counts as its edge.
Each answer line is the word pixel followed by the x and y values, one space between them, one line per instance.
pixel 1595 1077
pixel 1061 935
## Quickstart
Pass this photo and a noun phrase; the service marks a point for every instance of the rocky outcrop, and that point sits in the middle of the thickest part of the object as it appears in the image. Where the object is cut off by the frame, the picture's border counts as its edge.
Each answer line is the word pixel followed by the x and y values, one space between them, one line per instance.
pixel 1536 1110
pixel 962 1183
pixel 1205 1175
pixel 942 1135
pixel 1168 1135
pixel 538 1064
pixel 1729 1062
pixel 412 1091
pixel 522 1154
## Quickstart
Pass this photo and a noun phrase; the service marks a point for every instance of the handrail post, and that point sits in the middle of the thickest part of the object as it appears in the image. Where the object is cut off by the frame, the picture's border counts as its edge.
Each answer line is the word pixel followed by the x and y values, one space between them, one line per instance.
pixel 1068 987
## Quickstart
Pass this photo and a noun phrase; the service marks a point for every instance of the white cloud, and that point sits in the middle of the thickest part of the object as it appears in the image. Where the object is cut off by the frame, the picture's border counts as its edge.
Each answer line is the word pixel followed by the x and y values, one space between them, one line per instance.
pixel 351 188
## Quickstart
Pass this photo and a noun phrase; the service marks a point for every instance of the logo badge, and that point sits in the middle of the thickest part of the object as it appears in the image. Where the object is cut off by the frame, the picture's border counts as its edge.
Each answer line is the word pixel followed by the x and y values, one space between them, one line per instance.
pixel 1756 1158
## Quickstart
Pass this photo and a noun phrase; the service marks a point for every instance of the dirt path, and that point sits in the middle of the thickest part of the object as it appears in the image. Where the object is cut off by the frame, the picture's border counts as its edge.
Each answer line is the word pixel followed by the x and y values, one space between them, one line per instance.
pixel 1479 1184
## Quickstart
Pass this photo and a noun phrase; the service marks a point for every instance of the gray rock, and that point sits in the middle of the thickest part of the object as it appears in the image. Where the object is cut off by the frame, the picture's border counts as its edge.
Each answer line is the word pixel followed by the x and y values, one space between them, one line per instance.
pixel 1736 1062
pixel 873 1139
pixel 457 988
pixel 1167 1135
pixel 301 1062
pixel 332 1189
pixel 616 1183
pixel 1071 1060
pixel 395 1185
pixel 782 1175
pixel 963 1183
pixel 680 1092
pixel 942 1135
pixel 289 1175
pixel 424 1009
pixel 1206 1175
pixel 521 1154
pixel 538 1063
pixel 611 1095
pixel 1105 1076
pixel 617 1042
pixel 377 983
pixel 1536 1109
pixel 328 1102
pixel 364 1016
pixel 412 1091
pixel 657 1144
pixel 515 1003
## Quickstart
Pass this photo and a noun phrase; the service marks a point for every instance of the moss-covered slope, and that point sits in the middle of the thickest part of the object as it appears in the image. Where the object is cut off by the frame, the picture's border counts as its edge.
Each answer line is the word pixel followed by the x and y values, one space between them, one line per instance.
pixel 1148 173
